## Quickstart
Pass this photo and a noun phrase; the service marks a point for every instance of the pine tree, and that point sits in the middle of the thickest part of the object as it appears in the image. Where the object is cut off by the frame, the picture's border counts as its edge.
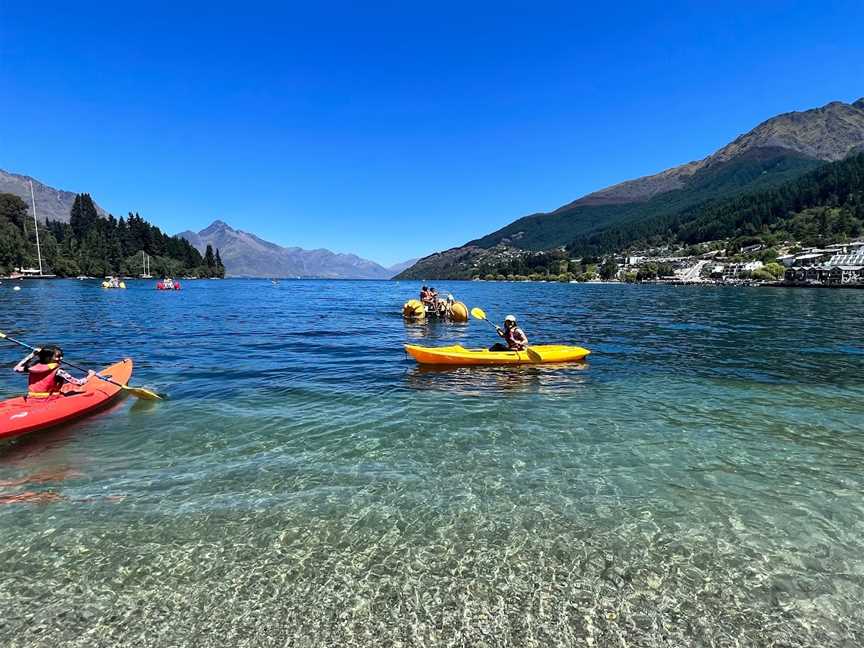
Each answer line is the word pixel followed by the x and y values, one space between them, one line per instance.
pixel 13 209
pixel 83 215
pixel 219 265
pixel 209 261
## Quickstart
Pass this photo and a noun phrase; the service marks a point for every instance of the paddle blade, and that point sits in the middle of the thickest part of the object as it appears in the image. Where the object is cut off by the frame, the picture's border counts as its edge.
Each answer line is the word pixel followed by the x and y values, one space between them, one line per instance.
pixel 535 357
pixel 478 313
pixel 140 392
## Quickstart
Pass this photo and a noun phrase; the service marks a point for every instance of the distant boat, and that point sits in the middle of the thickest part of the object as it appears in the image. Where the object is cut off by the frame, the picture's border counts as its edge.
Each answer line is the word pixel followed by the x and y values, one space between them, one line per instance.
pixel 31 272
pixel 145 260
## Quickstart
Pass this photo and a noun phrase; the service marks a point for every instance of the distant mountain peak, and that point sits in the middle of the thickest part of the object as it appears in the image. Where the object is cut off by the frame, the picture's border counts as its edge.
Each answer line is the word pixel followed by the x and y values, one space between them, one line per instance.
pixel 247 255
pixel 828 133
pixel 216 226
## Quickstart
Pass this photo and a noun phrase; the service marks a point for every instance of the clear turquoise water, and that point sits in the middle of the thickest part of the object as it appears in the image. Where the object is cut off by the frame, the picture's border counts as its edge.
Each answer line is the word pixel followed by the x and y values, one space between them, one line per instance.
pixel 698 482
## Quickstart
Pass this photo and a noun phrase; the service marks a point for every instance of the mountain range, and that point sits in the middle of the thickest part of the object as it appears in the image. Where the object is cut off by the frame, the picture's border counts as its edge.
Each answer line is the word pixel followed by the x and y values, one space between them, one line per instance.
pixel 51 204
pixel 246 255
pixel 243 254
pixel 776 151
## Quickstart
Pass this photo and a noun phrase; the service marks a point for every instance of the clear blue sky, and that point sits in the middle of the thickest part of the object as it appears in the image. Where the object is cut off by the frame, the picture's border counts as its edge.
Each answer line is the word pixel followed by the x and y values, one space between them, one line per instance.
pixel 400 128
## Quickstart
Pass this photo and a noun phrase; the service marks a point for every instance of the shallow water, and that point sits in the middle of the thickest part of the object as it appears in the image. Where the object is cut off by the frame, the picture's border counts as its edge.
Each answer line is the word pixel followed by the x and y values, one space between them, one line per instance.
pixel 697 482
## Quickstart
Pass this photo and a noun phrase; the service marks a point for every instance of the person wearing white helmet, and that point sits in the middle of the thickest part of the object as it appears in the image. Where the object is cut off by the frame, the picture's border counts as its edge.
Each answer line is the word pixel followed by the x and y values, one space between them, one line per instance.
pixel 513 335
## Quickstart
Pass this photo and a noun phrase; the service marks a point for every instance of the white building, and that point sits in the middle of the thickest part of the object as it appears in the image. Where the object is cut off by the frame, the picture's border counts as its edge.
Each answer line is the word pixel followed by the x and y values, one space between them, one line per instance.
pixel 737 269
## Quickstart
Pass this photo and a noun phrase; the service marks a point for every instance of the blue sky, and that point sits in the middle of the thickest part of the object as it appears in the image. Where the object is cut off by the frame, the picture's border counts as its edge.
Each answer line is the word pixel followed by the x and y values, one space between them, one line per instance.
pixel 395 129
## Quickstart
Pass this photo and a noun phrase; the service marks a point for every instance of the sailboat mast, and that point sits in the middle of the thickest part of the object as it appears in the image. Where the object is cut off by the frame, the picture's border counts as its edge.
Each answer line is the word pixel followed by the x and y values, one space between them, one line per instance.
pixel 36 225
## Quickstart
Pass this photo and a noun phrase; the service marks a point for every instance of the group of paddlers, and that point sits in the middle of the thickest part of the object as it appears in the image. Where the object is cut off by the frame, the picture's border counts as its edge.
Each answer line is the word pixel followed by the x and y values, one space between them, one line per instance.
pixel 168 284
pixel 431 305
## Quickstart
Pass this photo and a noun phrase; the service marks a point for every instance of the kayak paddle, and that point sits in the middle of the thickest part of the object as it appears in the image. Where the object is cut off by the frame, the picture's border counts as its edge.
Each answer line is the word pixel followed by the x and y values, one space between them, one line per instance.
pixel 478 313
pixel 140 392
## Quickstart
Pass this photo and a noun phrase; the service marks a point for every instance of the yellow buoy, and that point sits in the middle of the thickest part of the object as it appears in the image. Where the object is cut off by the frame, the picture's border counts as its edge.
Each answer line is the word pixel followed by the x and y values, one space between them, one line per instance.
pixel 414 310
pixel 459 312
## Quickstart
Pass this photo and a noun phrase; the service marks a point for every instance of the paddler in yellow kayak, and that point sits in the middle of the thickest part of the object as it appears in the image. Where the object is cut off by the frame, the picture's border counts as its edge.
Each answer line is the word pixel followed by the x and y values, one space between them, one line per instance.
pixel 513 335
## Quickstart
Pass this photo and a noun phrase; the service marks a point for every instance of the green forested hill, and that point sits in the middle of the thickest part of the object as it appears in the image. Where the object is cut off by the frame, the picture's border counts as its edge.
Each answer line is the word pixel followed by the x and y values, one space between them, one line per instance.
pixel 823 206
pixel 754 171
pixel 653 209
pixel 95 246
pixel 835 191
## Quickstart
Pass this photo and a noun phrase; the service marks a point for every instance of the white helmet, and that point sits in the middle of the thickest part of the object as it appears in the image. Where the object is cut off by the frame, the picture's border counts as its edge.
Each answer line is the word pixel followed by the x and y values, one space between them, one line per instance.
pixel 510 318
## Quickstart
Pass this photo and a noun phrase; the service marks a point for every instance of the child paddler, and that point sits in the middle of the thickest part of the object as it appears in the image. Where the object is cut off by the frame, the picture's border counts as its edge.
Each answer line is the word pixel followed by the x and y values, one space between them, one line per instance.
pixel 45 377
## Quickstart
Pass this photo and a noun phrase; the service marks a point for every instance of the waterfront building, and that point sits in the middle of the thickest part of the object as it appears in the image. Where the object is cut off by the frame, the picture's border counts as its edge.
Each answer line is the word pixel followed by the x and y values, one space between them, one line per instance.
pixel 735 270
pixel 844 268
pixel 840 275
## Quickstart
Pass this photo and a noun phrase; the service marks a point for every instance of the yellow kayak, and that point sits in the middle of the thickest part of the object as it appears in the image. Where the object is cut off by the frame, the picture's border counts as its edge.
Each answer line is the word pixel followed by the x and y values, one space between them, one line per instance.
pixel 459 355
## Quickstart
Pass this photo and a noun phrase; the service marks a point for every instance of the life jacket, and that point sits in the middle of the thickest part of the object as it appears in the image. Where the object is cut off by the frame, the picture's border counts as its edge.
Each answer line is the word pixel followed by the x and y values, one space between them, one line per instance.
pixel 510 337
pixel 42 380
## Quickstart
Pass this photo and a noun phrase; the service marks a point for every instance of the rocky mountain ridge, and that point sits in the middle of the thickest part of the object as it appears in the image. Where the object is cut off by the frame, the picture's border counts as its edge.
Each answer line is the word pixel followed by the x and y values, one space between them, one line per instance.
pixel 246 255
pixel 51 204
pixel 829 133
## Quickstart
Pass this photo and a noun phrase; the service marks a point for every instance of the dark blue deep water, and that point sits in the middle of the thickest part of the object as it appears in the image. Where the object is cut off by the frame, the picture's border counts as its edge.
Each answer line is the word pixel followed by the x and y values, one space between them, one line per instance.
pixel 700 481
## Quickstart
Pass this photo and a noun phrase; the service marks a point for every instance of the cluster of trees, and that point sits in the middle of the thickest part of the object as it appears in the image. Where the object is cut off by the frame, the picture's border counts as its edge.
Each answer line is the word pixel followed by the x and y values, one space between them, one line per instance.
pixel 772 271
pixel 96 246
pixel 823 206
pixel 554 265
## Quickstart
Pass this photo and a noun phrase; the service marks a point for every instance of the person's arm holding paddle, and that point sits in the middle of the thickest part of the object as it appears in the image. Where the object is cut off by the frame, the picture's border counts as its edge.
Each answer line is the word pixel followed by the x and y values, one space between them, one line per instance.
pixel 21 367
pixel 140 392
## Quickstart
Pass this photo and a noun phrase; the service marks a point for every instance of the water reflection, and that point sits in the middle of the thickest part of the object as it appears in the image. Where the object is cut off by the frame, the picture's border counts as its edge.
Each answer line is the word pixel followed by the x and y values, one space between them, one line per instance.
pixel 554 379
pixel 435 329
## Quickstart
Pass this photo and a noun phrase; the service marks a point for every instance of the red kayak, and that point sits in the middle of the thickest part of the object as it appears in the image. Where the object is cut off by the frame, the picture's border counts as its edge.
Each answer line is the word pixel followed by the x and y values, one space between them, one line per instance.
pixel 22 415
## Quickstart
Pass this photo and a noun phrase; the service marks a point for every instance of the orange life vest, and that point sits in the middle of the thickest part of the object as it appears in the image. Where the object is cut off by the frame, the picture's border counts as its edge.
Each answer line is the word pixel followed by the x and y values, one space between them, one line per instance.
pixel 42 380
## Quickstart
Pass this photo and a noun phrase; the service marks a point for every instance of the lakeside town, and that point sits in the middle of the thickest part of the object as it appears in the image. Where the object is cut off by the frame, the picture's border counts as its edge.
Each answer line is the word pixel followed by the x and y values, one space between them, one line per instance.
pixel 789 264
pixel 835 265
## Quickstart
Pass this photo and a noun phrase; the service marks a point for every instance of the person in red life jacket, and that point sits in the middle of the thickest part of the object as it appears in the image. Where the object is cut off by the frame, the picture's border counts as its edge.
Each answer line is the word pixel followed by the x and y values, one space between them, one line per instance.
pixel 426 296
pixel 513 335
pixel 45 377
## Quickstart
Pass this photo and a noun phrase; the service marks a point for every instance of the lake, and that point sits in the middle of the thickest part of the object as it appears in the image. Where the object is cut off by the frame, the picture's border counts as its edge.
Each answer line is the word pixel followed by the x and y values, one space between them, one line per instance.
pixel 697 482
